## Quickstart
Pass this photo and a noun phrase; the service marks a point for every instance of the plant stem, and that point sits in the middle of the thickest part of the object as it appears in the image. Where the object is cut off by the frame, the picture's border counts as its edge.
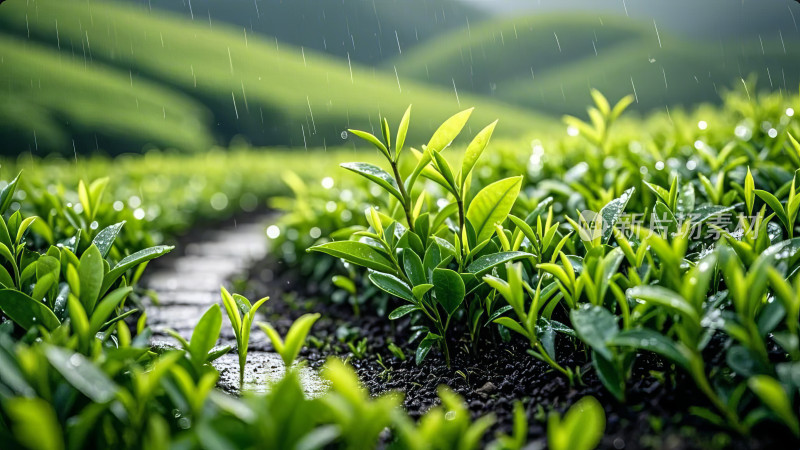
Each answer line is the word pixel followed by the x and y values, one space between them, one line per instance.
pixel 242 363
pixel 461 219
pixel 700 378
pixel 406 199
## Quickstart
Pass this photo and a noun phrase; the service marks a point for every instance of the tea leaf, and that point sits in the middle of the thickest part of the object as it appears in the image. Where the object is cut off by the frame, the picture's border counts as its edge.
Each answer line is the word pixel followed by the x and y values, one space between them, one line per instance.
pixel 372 140
pixel 652 341
pixel 581 427
pixel 392 285
pixel 376 175
pixel 448 131
pixel 357 253
pixel 475 149
pixel 25 311
pixel 90 273
pixel 595 326
pixel 449 289
pixel 206 333
pixel 491 205
pixel 105 238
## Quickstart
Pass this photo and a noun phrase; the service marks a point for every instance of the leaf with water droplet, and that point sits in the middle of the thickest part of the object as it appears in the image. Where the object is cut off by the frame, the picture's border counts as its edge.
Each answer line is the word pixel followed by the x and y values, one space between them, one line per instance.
pixel 133 261
pixel 611 213
pixel 25 311
pixel 484 264
pixel 653 341
pixel 105 238
pixel 376 175
pixel 357 253
pixel 82 374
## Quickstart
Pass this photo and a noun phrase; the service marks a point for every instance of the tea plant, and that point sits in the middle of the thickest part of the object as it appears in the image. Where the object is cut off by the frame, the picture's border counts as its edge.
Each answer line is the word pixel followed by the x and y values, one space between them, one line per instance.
pixel 289 347
pixel 691 244
pixel 241 314
pixel 426 262
pixel 200 350
pixel 581 428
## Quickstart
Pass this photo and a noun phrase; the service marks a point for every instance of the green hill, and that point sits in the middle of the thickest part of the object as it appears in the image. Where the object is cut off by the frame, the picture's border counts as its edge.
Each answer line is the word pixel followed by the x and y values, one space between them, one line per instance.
pixel 550 62
pixel 271 94
pixel 42 90
pixel 364 30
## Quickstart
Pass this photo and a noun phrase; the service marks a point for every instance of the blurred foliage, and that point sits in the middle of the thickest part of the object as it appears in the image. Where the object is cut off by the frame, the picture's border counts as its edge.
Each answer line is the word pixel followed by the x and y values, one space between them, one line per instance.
pixel 270 92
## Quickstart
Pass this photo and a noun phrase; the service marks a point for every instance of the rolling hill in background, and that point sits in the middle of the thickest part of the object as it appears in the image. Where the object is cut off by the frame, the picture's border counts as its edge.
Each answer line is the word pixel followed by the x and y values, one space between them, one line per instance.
pixel 51 102
pixel 270 94
pixel 550 62
pixel 367 31
pixel 695 19
pixel 82 75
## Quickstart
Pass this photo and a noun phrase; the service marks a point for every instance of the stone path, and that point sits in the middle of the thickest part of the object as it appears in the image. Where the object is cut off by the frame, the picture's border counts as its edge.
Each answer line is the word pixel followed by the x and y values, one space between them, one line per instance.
pixel 188 282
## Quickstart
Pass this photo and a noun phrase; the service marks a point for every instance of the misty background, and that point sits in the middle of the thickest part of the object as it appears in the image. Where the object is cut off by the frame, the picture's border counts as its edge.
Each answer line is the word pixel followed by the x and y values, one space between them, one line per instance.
pixel 126 75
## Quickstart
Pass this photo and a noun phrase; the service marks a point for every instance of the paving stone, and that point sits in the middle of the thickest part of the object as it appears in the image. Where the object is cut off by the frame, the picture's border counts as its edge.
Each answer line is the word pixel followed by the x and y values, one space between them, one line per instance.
pixel 188 284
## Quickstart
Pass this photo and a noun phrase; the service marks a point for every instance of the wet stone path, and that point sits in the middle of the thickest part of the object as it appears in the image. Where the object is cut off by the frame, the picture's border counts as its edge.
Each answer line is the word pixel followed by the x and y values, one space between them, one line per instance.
pixel 188 282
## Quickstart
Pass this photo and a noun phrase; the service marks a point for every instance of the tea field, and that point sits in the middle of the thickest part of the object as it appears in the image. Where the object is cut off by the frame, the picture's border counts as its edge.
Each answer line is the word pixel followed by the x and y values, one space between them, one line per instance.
pixel 537 288
pixel 431 224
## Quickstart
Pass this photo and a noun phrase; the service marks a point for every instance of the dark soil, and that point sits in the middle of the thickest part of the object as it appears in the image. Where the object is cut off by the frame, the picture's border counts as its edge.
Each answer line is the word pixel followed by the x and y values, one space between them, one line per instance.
pixel 655 415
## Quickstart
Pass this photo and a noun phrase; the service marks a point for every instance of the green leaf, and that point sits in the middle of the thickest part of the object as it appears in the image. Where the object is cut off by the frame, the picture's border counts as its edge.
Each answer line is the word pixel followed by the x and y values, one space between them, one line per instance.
pixel 233 312
pixel 448 131
pixel 420 290
pixel 770 391
pixel 387 132
pixel 371 139
pixel 486 263
pixel 105 238
pixel 512 325
pixel 666 298
pixel 652 341
pixel 376 175
pixel 23 227
pixel 392 285
pixel 595 326
pixel 402 130
pixel 7 195
pixel 601 102
pixel 25 311
pixel 581 428
pixel 344 283
pixel 357 253
pixel 702 213
pixel 665 218
pixel 611 213
pixel 475 149
pixel 90 273
pixel 106 307
pixel 609 375
pixel 749 191
pixel 444 169
pixel 425 347
pixel 206 333
pixel 132 261
pixel 35 423
pixel 82 374
pixel 491 205
pixel 449 289
pixel 296 337
pixel 776 206
pixel 412 265
pixel 402 311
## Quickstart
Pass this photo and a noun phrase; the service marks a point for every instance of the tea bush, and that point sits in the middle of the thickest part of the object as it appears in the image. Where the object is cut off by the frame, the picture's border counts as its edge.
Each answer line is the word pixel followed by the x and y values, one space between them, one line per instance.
pixel 628 236
pixel 75 374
